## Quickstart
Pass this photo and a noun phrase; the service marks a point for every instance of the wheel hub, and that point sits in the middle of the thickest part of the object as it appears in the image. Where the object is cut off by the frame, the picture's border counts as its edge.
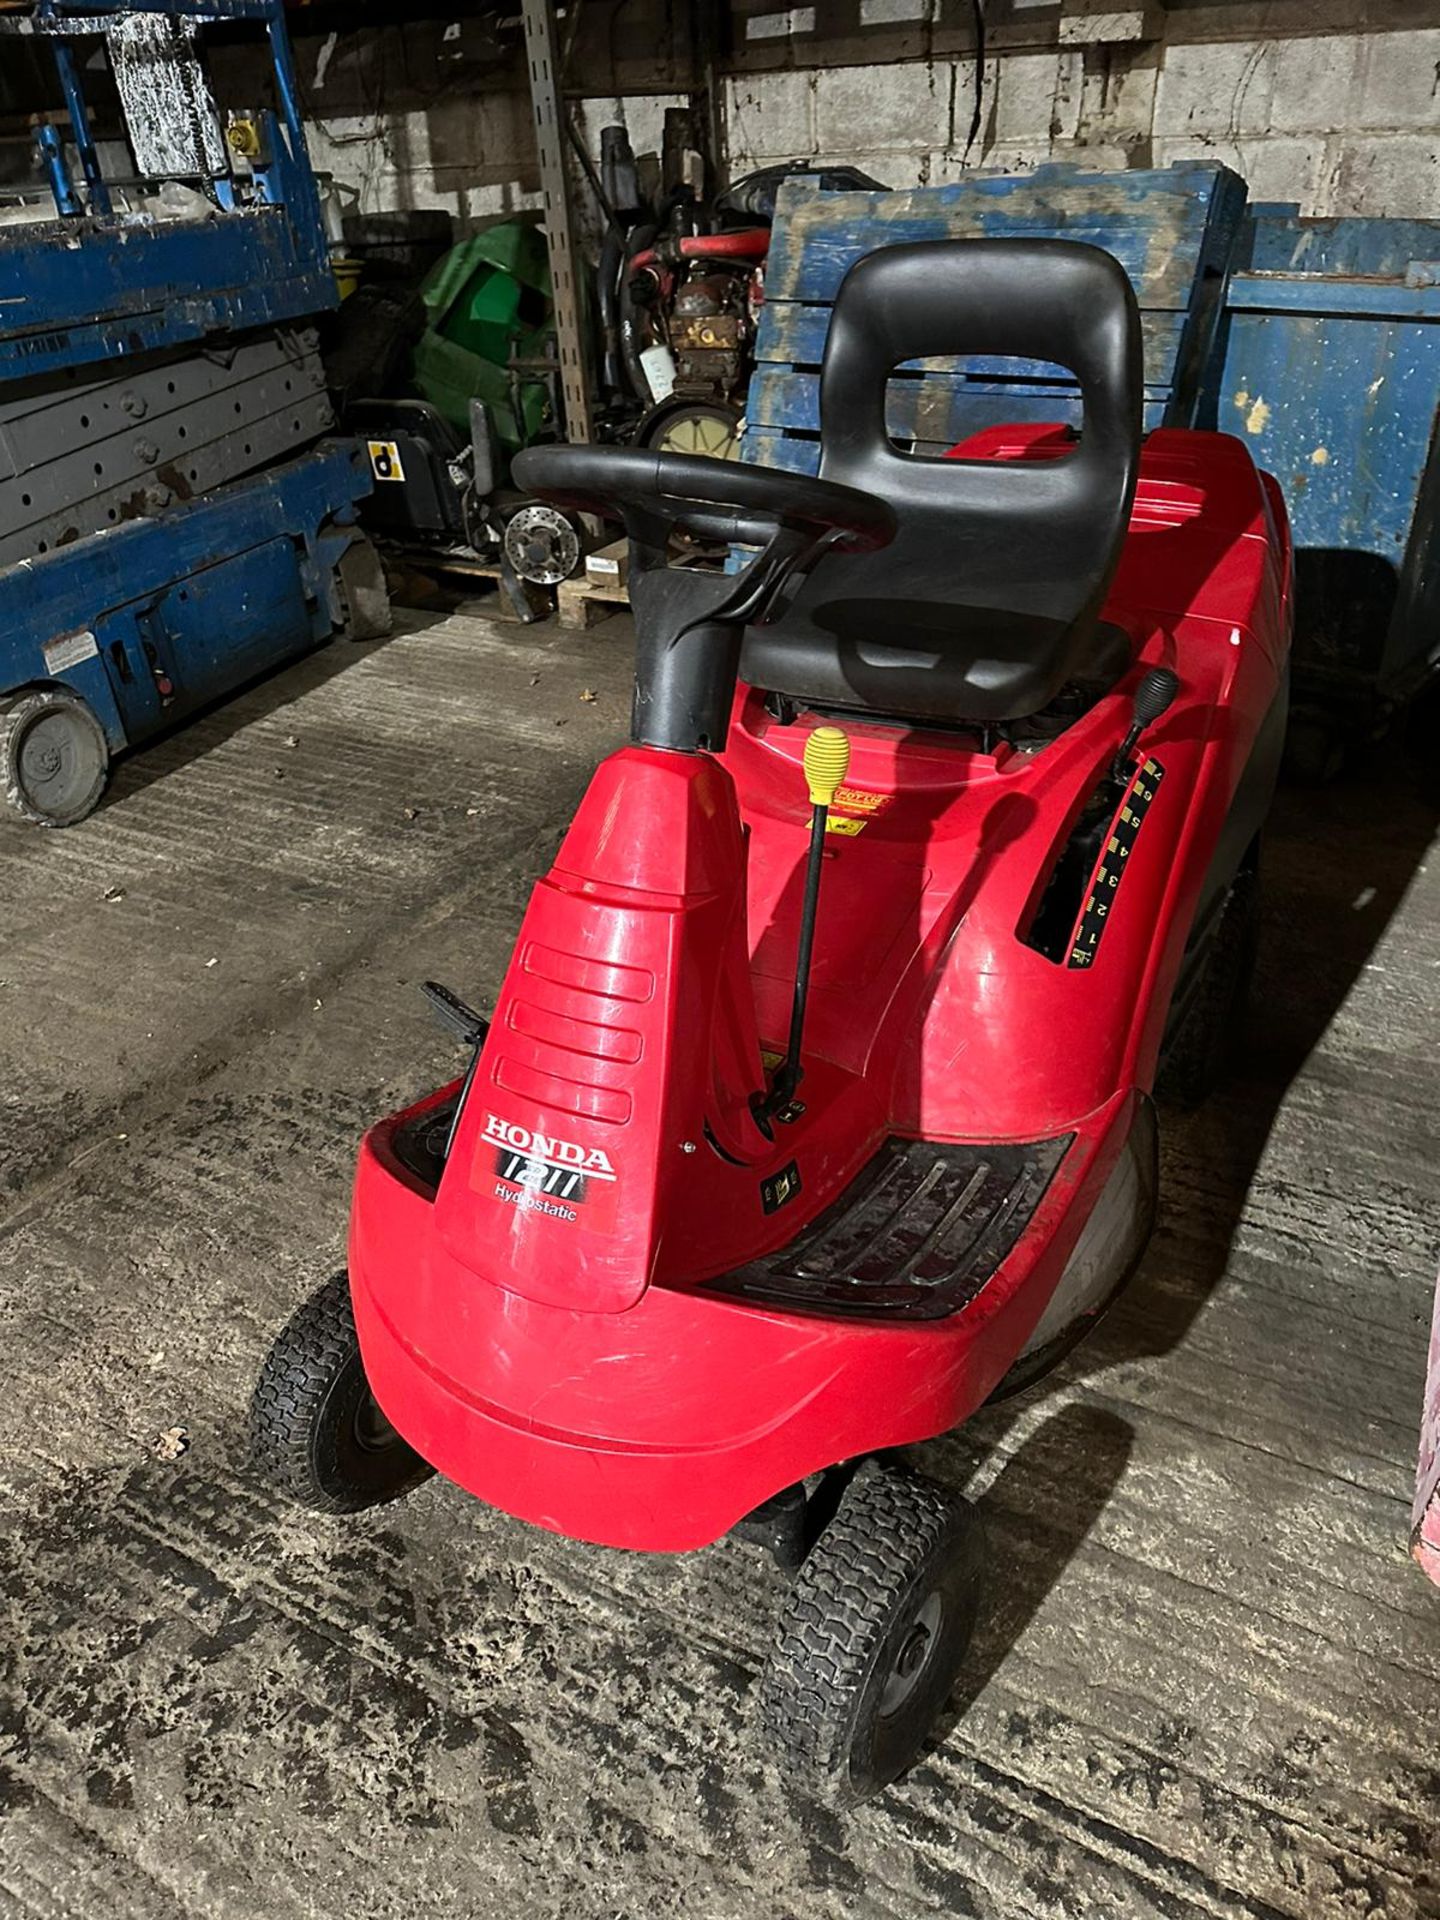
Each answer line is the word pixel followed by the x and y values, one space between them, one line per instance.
pixel 913 1651
pixel 373 1432
pixel 542 545
pixel 912 1655
pixel 53 763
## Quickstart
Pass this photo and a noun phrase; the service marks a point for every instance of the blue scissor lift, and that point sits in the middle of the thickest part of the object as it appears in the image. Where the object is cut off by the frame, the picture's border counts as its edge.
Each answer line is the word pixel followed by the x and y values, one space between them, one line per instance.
pixel 173 517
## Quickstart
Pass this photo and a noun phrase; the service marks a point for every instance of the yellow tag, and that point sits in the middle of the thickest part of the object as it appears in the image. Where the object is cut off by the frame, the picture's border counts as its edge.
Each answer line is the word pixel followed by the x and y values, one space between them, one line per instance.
pixel 853 808
pixel 385 460
pixel 857 800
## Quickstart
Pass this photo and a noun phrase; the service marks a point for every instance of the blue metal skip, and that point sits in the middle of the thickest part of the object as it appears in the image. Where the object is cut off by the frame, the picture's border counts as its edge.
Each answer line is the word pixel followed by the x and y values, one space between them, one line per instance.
pixel 1174 231
pixel 1332 377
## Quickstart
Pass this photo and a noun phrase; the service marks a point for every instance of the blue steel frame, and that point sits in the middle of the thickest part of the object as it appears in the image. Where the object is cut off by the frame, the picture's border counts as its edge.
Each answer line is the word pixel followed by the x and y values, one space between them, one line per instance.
pixel 132 288
pixel 299 518
pixel 155 616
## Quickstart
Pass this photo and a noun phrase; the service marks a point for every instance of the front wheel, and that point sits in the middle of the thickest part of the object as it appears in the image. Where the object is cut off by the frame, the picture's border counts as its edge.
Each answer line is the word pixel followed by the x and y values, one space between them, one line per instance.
pixel 873 1635
pixel 54 759
pixel 316 1430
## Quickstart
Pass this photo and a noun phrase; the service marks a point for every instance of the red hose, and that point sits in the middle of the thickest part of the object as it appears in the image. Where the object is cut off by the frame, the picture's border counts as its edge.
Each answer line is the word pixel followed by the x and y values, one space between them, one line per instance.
pixel 751 243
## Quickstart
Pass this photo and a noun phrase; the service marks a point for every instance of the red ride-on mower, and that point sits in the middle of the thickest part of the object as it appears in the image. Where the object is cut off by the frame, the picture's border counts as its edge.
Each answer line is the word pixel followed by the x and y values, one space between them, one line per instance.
pixel 815 1108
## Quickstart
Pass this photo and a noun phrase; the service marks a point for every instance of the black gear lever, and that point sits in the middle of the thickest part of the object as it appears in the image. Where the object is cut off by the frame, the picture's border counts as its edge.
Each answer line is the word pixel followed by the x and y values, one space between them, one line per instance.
pixel 1153 695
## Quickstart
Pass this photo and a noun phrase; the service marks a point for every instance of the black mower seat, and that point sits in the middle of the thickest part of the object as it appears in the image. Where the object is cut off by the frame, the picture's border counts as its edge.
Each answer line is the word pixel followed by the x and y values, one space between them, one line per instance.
pixel 987 601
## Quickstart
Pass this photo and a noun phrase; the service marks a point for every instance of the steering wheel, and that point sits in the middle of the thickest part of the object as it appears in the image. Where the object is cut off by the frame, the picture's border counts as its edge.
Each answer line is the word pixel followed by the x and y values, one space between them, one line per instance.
pixel 683 693
pixel 718 499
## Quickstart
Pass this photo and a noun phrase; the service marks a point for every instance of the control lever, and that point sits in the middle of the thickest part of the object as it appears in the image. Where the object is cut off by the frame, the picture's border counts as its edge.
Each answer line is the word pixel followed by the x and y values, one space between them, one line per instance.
pixel 827 759
pixel 467 1026
pixel 1153 695
pixel 470 1029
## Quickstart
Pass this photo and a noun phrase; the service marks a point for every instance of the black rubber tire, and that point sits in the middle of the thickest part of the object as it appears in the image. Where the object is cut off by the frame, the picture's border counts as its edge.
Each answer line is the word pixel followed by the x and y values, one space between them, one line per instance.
pixel 1194 1063
pixel 51 783
pixel 899 1553
pixel 316 1432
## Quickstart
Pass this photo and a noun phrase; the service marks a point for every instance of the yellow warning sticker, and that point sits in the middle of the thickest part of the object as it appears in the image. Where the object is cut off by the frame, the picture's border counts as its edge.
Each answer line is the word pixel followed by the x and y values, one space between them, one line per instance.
pixel 385 461
pixel 853 808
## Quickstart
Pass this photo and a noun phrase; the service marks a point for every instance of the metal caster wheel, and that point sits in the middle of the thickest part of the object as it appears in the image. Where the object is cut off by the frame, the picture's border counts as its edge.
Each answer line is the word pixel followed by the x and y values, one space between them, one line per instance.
pixel 316 1430
pixel 54 759
pixel 873 1634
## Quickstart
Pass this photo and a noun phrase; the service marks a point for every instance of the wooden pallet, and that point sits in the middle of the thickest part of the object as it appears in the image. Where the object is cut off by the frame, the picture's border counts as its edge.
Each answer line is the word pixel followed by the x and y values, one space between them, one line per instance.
pixel 455 570
pixel 603 588
pixel 1173 229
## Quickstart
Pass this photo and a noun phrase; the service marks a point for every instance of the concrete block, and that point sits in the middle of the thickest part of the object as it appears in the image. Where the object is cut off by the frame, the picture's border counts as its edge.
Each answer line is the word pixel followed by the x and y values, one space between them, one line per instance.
pixel 1094 23
pixel 1275 169
pixel 1399 81
pixel 1098 154
pixel 484 131
pixel 904 106
pixel 1001 157
pixel 1387 175
pixel 769 116
pixel 1221 89
pixel 1116 98
pixel 778 24
pixel 962 110
pixel 890 165
pixel 1314 83
pixel 1036 97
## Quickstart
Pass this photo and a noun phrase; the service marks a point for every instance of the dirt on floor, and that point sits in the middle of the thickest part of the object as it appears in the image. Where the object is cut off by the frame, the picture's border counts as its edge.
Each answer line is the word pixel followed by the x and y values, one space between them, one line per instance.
pixel 1205 1682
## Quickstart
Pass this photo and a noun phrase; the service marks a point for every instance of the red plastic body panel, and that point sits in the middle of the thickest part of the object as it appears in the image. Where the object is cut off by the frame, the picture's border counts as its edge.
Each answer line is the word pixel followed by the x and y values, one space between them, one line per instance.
pixel 540 1330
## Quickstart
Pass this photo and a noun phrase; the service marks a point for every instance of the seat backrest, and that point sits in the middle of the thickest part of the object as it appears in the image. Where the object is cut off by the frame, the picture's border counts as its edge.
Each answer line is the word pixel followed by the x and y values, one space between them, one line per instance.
pixel 988 599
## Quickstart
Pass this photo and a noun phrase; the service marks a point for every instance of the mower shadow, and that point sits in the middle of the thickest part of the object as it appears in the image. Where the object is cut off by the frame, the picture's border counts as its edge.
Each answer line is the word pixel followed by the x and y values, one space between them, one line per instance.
pixel 1337 863
pixel 1037 1514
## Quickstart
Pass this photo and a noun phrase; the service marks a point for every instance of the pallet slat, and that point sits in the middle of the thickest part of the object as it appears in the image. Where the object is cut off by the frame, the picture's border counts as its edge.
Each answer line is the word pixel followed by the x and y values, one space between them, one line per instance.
pixel 603 588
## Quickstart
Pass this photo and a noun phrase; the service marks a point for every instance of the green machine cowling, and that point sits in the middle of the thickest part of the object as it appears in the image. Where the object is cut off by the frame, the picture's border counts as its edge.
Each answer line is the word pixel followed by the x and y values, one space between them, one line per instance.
pixel 487 336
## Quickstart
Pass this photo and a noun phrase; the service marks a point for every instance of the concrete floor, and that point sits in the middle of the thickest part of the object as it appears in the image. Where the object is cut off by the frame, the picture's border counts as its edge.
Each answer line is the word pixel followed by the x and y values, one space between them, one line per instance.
pixel 1206 1682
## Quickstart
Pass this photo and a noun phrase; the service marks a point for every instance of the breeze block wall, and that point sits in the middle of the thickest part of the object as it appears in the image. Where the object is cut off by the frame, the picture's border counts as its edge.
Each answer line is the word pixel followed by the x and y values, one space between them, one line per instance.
pixel 1335 107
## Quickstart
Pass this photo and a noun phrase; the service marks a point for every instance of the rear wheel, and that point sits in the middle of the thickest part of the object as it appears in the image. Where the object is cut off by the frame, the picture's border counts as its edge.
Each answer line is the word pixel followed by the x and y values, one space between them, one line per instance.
pixel 54 759
pixel 1194 1063
pixel 874 1633
pixel 316 1430
pixel 364 594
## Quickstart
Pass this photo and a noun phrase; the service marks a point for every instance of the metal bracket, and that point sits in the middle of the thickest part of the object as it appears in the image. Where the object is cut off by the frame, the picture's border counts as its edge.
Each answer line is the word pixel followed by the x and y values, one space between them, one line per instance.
pixel 549 110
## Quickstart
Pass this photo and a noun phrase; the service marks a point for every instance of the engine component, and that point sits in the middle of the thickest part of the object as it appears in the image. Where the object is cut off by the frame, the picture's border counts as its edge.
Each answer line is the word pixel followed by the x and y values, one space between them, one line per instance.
pixel 709 325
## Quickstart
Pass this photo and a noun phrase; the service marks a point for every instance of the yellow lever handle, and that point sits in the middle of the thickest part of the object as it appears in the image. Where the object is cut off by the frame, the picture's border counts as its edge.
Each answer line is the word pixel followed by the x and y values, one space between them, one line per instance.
pixel 827 758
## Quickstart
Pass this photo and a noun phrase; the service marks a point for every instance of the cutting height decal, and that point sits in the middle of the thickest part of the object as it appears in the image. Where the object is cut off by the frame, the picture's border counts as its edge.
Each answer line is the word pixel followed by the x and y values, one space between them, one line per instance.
pixel 1105 887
